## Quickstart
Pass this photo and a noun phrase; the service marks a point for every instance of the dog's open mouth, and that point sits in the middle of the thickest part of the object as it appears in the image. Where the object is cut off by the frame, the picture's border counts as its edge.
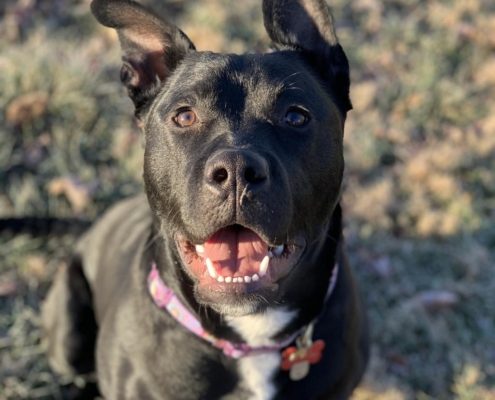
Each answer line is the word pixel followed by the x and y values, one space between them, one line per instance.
pixel 236 258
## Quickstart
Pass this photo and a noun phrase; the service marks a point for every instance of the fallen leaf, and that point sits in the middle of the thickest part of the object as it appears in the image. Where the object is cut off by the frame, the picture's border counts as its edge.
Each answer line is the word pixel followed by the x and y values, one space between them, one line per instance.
pixel 8 287
pixel 485 75
pixel 382 267
pixel 78 195
pixel 435 300
pixel 35 267
pixel 363 94
pixel 27 107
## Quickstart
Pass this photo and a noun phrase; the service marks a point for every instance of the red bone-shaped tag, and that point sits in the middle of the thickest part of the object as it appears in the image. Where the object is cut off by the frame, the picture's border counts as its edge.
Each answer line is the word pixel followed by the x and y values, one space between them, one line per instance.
pixel 293 355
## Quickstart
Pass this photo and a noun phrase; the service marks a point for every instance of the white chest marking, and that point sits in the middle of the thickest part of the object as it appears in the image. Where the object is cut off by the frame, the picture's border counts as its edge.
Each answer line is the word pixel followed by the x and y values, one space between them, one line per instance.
pixel 257 371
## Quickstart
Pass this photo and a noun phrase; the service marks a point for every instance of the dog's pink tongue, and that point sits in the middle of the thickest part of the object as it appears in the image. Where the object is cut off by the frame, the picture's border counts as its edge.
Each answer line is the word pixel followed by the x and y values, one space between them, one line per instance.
pixel 235 250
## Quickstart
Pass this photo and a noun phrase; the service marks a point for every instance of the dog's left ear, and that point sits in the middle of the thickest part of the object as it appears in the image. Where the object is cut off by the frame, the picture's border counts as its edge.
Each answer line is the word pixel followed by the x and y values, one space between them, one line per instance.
pixel 152 48
pixel 307 26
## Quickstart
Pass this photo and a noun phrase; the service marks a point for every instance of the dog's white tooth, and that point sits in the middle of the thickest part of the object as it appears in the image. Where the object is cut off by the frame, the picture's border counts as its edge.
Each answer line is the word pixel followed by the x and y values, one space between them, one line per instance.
pixel 200 248
pixel 264 265
pixel 228 279
pixel 278 250
pixel 247 279
pixel 234 280
pixel 220 278
pixel 255 278
pixel 211 268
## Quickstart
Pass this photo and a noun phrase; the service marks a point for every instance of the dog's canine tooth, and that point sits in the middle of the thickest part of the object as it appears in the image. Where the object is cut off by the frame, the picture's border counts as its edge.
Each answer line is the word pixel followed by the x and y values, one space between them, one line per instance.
pixel 228 279
pixel 199 248
pixel 264 265
pixel 220 278
pixel 278 250
pixel 255 278
pixel 211 268
pixel 247 279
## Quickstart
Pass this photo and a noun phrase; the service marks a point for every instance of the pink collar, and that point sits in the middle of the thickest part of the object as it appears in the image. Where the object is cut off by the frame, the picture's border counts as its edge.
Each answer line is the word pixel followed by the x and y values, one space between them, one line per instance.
pixel 165 298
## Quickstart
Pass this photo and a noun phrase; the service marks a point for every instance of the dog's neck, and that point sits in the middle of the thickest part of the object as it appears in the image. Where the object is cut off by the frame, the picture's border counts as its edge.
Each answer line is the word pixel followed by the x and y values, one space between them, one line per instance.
pixel 300 304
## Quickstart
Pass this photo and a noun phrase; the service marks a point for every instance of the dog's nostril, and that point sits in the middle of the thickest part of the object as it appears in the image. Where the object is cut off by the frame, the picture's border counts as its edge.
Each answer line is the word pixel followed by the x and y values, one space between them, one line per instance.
pixel 220 175
pixel 252 176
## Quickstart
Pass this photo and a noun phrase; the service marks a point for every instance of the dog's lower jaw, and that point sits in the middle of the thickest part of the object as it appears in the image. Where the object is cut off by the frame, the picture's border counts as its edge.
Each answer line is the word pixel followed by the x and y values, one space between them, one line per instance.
pixel 239 309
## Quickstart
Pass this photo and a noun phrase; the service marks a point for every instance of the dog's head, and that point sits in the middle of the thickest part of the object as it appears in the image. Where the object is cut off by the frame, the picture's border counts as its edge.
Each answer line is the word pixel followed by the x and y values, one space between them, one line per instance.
pixel 243 153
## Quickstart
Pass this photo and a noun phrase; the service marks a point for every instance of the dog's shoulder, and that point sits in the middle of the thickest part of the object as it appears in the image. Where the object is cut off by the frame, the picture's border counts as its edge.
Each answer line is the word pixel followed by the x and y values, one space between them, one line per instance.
pixel 117 234
pixel 125 216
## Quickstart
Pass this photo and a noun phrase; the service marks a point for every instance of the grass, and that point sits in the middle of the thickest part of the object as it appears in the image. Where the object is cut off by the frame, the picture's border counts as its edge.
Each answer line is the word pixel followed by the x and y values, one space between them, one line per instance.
pixel 420 181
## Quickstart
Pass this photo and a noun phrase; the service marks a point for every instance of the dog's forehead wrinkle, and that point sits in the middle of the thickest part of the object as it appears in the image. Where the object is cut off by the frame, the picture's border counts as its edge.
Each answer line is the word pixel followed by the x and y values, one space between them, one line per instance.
pixel 248 70
pixel 194 69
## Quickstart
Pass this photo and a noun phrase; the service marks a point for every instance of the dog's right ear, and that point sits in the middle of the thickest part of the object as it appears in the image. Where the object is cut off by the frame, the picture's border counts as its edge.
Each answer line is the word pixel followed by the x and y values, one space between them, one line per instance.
pixel 152 48
pixel 307 26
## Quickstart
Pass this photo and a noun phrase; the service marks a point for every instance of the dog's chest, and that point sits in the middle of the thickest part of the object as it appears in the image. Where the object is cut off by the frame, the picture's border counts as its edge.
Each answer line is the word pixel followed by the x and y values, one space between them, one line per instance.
pixel 258 371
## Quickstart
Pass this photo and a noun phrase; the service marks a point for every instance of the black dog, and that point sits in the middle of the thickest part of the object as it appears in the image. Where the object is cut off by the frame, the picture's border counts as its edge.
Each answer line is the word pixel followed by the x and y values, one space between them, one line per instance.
pixel 228 280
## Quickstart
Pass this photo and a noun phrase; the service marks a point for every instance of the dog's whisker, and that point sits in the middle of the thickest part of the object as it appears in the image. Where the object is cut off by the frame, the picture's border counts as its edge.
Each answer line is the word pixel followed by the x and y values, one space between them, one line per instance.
pixel 152 241
pixel 291 75
pixel 294 88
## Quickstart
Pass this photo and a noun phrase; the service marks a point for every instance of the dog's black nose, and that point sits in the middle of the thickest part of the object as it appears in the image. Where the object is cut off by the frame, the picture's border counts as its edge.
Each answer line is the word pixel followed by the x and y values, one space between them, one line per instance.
pixel 235 170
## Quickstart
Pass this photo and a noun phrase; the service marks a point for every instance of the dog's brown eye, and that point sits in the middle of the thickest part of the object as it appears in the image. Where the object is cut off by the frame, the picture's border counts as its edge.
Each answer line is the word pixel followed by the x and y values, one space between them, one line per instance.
pixel 296 117
pixel 185 118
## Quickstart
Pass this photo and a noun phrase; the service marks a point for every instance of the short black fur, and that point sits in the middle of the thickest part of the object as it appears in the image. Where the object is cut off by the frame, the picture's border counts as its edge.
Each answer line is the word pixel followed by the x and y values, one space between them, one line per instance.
pixel 239 165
